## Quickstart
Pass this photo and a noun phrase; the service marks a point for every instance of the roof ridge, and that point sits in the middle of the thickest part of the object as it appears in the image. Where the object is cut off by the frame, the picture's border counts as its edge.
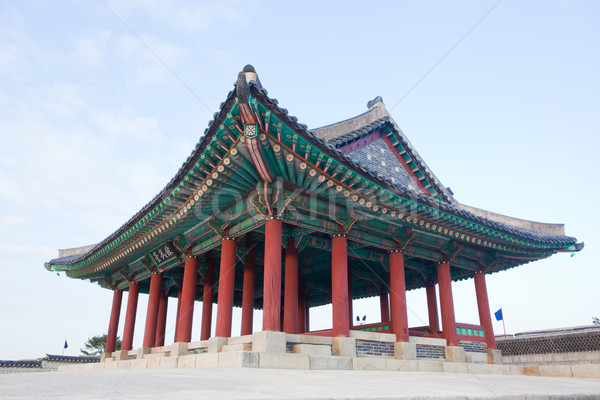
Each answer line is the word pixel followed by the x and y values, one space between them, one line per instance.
pixel 360 132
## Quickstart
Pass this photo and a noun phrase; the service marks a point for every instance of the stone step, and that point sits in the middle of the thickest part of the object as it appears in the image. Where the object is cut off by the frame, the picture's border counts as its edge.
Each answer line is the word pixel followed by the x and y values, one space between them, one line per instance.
pixel 312 349
pixel 237 347
pixel 156 355
pixel 309 339
pixel 239 339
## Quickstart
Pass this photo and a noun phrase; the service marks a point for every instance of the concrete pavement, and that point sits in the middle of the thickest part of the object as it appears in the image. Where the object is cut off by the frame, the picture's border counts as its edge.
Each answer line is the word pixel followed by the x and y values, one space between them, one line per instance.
pixel 248 383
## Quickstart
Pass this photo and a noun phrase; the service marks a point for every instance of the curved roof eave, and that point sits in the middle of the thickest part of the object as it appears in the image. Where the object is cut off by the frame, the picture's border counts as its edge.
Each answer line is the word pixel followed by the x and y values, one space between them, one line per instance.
pixel 185 167
pixel 329 148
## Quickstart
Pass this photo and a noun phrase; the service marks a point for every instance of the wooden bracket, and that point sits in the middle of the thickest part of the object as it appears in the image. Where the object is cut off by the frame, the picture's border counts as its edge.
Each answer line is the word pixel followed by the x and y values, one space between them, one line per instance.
pixel 344 219
pixel 181 242
pixel 453 249
pixel 107 282
pixel 219 227
pixel 149 264
pixel 403 243
pixel 126 273
pixel 490 261
pixel 255 200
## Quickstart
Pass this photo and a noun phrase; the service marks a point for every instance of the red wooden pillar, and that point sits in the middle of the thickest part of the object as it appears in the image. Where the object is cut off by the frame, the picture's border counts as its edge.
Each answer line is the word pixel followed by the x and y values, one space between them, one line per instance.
pixel 248 292
pixel 113 325
pixel 161 322
pixel 384 306
pixel 188 297
pixel 272 276
pixel 483 306
pixel 226 283
pixel 290 304
pixel 179 292
pixel 350 310
pixel 398 297
pixel 434 323
pixel 301 305
pixel 339 285
pixel 207 298
pixel 132 300
pixel 306 317
pixel 152 312
pixel 447 304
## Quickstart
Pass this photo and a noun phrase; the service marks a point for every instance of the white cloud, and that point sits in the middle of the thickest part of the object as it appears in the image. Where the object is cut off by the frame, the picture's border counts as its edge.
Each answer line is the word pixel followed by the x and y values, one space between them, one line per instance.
pixel 91 50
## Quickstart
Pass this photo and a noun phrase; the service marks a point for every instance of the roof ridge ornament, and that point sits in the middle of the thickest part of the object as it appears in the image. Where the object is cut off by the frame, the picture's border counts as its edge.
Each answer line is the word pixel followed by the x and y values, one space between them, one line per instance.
pixel 376 101
pixel 245 77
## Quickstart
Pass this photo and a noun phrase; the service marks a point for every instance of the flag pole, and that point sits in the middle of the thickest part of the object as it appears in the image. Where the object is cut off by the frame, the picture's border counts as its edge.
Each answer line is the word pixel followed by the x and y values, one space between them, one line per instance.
pixel 503 325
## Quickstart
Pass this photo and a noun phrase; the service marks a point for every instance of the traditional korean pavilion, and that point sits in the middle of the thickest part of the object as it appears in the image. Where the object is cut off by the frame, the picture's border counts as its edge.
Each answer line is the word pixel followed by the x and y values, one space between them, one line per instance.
pixel 268 214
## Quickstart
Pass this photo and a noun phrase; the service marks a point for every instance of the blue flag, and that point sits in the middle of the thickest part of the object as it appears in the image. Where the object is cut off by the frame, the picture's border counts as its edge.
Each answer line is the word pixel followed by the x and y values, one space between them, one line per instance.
pixel 66 345
pixel 498 315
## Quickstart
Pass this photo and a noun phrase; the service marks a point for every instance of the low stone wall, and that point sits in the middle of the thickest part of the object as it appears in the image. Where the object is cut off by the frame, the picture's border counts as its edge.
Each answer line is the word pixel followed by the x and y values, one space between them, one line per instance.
pixel 580 345
pixel 430 352
pixel 429 348
pixel 473 347
pixel 589 357
pixel 373 348
pixel 19 370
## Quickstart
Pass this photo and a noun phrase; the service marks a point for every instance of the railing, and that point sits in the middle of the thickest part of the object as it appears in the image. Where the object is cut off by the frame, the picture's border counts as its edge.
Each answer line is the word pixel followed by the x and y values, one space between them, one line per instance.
pixel 381 327
pixel 470 332
pixel 424 331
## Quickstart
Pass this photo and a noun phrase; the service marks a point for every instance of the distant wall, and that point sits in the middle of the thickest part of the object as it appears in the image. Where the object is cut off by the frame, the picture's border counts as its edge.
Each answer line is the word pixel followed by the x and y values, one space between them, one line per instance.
pixel 579 345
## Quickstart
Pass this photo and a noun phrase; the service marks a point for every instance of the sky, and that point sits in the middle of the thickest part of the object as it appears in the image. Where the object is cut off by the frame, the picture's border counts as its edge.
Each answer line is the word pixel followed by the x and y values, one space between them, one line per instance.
pixel 101 102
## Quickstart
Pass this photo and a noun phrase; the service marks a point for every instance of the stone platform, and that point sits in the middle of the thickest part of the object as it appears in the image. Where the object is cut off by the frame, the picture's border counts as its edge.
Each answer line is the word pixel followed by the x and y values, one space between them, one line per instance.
pixel 360 351
pixel 248 383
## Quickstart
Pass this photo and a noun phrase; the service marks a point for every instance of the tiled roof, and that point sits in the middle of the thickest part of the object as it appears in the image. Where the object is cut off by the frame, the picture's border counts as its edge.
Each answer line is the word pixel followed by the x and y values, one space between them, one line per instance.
pixel 376 156
pixel 293 122
pixel 20 364
pixel 359 133
pixel 71 359
pixel 331 149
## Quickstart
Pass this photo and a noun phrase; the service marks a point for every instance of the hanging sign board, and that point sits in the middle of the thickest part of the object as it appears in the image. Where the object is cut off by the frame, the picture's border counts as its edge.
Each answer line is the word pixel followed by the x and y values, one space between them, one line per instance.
pixel 164 253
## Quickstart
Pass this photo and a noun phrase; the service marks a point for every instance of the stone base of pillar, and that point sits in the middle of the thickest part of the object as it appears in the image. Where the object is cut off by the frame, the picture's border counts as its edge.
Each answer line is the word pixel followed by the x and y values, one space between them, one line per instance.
pixel 142 351
pixel 405 351
pixel 215 344
pixel 269 342
pixel 179 349
pixel 121 355
pixel 455 354
pixel 343 346
pixel 494 356
pixel 104 356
